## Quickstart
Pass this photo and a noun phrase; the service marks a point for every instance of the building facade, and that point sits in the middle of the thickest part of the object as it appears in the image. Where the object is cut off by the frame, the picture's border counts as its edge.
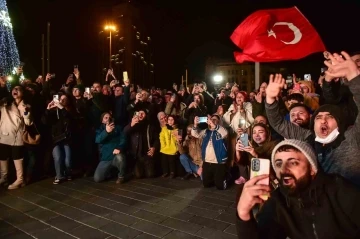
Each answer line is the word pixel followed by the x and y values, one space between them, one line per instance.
pixel 241 74
pixel 131 45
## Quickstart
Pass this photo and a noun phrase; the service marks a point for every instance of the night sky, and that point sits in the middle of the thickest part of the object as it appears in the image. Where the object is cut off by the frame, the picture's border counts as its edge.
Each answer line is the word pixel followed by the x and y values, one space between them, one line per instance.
pixel 184 33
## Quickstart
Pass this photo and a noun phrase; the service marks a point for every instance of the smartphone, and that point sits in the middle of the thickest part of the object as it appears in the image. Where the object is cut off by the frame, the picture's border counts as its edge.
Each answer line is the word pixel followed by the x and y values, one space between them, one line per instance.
pixel 242 123
pixel 111 120
pixel 289 80
pixel 76 66
pixel 203 119
pixel 87 90
pixel 136 114
pixel 180 132
pixel 258 167
pixel 56 98
pixel 244 139
pixel 307 77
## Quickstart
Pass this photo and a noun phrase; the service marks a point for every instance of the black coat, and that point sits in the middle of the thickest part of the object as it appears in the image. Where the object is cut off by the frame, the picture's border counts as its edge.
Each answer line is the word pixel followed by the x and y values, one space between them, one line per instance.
pixel 328 209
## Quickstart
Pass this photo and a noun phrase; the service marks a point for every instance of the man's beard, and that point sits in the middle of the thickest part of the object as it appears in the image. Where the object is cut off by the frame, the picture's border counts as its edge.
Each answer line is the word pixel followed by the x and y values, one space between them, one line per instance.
pixel 302 123
pixel 301 184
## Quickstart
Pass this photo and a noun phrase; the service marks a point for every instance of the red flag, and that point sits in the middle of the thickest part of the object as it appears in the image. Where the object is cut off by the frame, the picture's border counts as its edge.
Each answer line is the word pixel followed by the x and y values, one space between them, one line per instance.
pixel 276 35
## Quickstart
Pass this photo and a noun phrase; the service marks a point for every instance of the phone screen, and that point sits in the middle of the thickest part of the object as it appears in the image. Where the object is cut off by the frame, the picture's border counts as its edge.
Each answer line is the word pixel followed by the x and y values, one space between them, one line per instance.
pixel 203 119
pixel 56 98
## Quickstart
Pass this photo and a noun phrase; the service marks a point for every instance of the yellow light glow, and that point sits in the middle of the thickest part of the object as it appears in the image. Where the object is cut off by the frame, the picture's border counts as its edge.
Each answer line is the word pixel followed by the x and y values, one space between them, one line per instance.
pixel 110 27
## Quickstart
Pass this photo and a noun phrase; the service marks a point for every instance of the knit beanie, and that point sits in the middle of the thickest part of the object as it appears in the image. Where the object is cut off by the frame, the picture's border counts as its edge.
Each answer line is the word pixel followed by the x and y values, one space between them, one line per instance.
pixel 304 148
pixel 335 111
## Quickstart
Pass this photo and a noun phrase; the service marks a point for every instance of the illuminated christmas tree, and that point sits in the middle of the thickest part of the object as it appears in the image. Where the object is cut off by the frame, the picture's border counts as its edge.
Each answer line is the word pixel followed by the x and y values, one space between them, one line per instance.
pixel 9 56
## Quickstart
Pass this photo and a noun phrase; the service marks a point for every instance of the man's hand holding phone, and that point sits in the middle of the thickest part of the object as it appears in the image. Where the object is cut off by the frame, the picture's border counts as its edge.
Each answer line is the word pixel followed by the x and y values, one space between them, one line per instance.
pixel 250 196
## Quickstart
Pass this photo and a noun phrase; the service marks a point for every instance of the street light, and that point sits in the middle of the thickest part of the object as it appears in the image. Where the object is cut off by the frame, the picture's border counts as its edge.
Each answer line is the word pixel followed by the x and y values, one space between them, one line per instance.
pixel 110 28
pixel 218 79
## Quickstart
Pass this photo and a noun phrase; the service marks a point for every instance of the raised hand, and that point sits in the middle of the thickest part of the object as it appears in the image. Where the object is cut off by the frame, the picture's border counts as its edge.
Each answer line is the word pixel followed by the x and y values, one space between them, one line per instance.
pixel 341 66
pixel 276 83
pixel 250 196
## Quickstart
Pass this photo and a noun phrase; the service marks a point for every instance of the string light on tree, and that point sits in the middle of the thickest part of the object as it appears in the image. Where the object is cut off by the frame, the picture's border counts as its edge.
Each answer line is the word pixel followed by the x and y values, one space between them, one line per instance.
pixel 9 56
pixel 5 19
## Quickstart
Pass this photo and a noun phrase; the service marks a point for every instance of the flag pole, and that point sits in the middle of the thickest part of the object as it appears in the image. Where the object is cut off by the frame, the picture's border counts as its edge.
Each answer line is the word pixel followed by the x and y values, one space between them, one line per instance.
pixel 182 79
pixel 257 75
pixel 186 77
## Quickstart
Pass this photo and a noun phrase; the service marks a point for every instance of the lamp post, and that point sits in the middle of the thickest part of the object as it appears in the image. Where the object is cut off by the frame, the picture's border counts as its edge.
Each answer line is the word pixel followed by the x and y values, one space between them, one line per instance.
pixel 110 28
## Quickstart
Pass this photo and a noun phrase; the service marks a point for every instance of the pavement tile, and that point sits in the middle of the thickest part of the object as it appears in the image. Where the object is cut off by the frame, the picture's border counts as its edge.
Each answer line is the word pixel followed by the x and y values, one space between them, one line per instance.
pixel 17 204
pixel 94 221
pixel 16 235
pixel 149 216
pixel 42 214
pixel 209 233
pixel 227 217
pixel 211 223
pixel 118 230
pixel 201 212
pixel 52 233
pixel 32 225
pixel 122 218
pixel 88 233
pixel 63 223
pixel 180 235
pixel 231 229
pixel 152 228
pixel 145 236
pixel 181 225
pixel 6 228
pixel 123 208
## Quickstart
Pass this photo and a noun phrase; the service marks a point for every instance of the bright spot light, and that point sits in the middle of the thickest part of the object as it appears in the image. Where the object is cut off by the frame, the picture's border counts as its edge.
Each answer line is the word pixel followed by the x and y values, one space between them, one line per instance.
pixel 9 78
pixel 218 78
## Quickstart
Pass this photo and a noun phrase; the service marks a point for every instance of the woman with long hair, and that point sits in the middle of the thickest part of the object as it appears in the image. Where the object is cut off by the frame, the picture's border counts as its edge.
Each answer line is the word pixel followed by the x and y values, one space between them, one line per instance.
pixel 15 114
pixel 59 116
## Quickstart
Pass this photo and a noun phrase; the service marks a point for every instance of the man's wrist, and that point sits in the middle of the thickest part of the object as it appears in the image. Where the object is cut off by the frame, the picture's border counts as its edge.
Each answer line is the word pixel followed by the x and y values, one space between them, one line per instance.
pixel 244 216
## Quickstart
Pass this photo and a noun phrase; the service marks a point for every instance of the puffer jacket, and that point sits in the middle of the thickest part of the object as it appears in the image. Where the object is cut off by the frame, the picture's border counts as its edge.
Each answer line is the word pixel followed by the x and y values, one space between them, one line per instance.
pixel 12 123
pixel 167 141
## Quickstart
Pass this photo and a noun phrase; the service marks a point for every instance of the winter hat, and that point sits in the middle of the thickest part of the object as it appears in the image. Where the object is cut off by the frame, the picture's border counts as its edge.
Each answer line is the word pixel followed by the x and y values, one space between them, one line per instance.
pixel 335 111
pixel 304 148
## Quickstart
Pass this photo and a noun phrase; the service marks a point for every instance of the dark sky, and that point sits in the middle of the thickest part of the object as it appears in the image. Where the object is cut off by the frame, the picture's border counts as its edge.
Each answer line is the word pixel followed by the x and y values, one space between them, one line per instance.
pixel 183 31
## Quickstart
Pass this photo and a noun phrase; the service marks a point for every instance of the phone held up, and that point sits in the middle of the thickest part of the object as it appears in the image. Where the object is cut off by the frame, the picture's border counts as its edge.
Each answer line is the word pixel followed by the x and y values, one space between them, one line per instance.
pixel 203 119
pixel 244 139
pixel 56 98
pixel 289 81
pixel 259 167
pixel 307 77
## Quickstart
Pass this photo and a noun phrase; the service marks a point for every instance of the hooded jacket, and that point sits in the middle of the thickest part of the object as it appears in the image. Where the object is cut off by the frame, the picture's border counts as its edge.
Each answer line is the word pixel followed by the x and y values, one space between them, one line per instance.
pixel 340 156
pixel 328 209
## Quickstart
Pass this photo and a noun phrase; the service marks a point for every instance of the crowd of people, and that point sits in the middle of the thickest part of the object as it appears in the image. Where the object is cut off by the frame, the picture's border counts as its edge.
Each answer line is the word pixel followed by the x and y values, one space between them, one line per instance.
pixel 308 132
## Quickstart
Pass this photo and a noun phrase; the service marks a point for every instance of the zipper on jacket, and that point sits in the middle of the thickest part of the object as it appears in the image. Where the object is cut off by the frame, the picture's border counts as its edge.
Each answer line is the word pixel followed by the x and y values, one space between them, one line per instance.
pixel 314 227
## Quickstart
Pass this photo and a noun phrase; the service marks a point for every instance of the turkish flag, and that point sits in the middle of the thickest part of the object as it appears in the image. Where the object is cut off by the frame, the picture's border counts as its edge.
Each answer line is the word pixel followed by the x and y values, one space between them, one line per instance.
pixel 276 35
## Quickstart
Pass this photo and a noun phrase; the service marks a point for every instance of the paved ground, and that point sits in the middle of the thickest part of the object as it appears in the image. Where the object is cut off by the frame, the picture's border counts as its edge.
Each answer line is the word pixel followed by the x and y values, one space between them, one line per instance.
pixel 147 208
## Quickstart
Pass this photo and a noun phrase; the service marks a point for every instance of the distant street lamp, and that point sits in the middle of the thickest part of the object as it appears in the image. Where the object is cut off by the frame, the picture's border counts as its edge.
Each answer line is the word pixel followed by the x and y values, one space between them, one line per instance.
pixel 218 79
pixel 110 28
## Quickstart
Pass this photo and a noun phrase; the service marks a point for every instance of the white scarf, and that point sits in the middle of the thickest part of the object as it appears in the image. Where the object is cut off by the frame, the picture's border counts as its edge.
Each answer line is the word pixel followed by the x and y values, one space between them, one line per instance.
pixel 330 138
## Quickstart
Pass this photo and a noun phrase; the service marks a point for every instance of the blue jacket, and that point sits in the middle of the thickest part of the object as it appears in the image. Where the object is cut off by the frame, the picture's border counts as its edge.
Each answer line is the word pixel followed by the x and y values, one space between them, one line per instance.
pixel 110 141
pixel 219 144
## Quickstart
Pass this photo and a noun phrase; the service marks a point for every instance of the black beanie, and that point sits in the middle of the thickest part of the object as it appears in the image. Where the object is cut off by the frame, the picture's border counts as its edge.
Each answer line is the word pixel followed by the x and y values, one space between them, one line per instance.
pixel 335 111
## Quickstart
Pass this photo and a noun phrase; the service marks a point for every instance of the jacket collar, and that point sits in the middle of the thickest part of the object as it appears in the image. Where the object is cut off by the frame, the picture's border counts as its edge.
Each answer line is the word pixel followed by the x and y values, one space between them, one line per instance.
pixel 308 197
